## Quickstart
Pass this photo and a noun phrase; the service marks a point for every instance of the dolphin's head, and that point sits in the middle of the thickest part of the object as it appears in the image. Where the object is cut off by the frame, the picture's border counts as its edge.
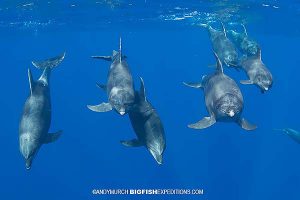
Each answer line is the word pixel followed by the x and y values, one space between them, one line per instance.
pixel 229 106
pixel 28 147
pixel 231 58
pixel 156 149
pixel 264 81
pixel 122 100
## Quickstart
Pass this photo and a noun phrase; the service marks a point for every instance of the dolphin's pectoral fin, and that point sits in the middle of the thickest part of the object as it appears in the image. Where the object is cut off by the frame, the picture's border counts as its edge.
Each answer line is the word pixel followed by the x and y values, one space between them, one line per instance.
pixel 52 137
pixel 193 85
pixel 107 58
pixel 204 123
pixel 246 82
pixel 31 82
pixel 101 86
pixel 132 143
pixel 246 125
pixel 103 107
pixel 142 90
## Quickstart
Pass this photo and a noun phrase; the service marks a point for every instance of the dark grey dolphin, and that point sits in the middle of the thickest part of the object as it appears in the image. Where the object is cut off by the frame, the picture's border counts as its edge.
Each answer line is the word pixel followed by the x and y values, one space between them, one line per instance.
pixel 223 99
pixel 147 126
pixel 295 135
pixel 257 72
pixel 36 117
pixel 223 47
pixel 245 44
pixel 119 88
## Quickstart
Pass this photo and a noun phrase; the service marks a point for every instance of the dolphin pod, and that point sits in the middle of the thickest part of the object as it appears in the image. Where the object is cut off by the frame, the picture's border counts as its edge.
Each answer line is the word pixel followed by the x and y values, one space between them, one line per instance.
pixel 223 98
pixel 36 117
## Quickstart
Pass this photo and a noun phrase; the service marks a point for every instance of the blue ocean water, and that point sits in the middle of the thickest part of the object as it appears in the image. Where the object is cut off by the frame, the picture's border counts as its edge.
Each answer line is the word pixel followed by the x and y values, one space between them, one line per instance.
pixel 165 46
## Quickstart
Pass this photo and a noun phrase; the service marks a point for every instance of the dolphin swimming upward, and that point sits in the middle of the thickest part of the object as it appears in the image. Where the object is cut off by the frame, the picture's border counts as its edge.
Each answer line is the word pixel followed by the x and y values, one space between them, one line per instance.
pixel 119 88
pixel 36 117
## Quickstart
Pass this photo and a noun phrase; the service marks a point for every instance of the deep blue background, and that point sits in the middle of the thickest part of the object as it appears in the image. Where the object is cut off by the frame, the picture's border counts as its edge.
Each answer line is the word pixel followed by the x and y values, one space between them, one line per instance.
pixel 224 160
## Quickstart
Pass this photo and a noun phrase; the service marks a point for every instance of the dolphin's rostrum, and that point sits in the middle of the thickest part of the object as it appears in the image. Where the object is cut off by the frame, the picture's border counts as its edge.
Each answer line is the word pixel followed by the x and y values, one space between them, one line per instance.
pixel 223 99
pixel 147 126
pixel 36 117
pixel 119 88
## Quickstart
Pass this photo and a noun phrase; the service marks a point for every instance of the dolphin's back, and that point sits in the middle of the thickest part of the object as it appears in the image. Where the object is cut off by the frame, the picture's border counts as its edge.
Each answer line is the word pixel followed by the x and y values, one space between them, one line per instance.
pixel 36 116
pixel 120 76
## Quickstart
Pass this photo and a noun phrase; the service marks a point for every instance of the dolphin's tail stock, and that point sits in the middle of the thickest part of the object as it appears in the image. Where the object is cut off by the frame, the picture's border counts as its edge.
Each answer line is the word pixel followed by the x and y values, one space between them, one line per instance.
pixel 48 65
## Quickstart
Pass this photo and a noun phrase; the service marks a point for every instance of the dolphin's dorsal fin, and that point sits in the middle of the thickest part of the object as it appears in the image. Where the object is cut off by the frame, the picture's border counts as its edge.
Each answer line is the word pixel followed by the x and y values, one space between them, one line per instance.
pixel 52 137
pixel 120 49
pixel 219 64
pixel 31 81
pixel 142 90
pixel 259 53
pixel 224 30
pixel 245 30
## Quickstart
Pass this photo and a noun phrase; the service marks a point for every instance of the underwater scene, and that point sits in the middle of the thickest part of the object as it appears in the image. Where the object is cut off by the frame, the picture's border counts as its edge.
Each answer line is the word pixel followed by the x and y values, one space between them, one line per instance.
pixel 148 99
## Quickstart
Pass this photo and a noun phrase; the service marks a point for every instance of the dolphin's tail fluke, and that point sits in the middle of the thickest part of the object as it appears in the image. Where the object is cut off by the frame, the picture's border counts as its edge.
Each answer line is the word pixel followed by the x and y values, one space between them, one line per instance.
pixel 49 63
pixel 47 66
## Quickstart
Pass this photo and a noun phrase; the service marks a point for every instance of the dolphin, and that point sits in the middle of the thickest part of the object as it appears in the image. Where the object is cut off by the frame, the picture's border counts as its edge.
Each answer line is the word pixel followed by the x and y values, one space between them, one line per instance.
pixel 119 88
pixel 245 44
pixel 36 117
pixel 223 99
pixel 257 72
pixel 223 47
pixel 147 126
pixel 295 135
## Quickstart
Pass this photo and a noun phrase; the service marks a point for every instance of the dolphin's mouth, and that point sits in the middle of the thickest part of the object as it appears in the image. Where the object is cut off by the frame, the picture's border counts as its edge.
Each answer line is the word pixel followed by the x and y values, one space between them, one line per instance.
pixel 231 113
